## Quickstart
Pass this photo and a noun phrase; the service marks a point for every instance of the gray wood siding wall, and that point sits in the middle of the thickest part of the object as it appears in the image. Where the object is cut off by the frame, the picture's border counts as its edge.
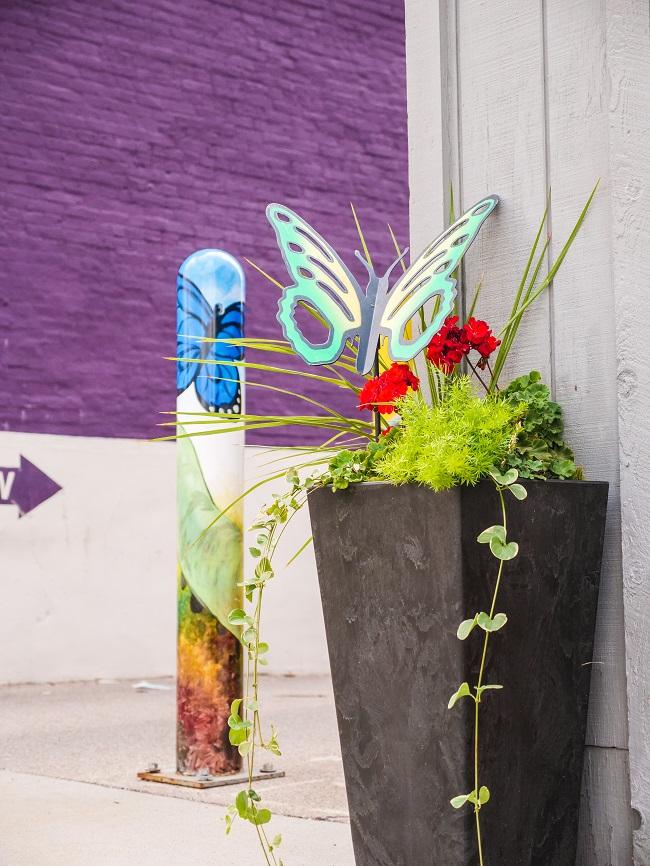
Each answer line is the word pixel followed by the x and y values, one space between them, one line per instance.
pixel 516 97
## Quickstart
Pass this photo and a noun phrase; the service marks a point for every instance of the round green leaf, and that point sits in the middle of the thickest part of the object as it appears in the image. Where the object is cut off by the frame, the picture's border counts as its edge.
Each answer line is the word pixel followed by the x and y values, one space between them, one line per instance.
pixel 496 546
pixel 509 551
pixel 262 816
pixel 239 617
pixel 465 628
pixel 491 532
pixel 518 491
pixel 462 692
pixel 459 801
pixel 506 478
pixel 241 802
pixel 248 636
pixel 487 624
pixel 504 551
pixel 483 795
pixel 482 689
pixel 236 736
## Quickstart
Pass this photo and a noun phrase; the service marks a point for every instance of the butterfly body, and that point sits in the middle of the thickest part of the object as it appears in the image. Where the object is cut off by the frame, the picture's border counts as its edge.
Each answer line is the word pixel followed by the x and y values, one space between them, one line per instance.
pixel 323 282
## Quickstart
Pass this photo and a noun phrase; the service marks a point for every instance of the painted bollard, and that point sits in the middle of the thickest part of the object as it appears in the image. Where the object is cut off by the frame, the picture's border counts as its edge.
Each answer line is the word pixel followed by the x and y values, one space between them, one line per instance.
pixel 210 307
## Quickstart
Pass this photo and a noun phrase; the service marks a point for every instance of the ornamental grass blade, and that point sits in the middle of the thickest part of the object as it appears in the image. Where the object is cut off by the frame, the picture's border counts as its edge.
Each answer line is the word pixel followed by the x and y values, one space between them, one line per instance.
pixel 267 368
pixel 522 303
pixel 558 261
pixel 300 550
pixel 477 292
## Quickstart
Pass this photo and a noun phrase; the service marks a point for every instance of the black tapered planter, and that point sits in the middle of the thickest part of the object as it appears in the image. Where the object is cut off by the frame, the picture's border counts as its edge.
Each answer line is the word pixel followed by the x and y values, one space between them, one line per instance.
pixel 399 568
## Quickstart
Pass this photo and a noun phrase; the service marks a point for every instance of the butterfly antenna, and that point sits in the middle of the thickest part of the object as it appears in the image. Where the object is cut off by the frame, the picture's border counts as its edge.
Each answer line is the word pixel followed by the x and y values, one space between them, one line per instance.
pixel 367 265
pixel 399 259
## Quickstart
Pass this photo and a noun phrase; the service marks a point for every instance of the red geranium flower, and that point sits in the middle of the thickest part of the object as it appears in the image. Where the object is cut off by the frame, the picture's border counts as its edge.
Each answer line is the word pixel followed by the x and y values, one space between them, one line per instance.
pixel 400 375
pixel 379 394
pixel 476 331
pixel 486 348
pixel 480 336
pixel 449 346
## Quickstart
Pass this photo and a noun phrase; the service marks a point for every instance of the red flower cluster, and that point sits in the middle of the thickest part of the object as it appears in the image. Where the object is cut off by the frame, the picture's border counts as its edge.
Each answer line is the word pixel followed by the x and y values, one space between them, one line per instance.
pixel 451 343
pixel 380 393
pixel 481 338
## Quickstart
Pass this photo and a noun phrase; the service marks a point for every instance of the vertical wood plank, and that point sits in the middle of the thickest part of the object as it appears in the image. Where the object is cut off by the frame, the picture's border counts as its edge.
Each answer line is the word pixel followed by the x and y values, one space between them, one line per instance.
pixel 432 122
pixel 628 55
pixel 583 306
pixel 502 150
pixel 426 88
pixel 584 360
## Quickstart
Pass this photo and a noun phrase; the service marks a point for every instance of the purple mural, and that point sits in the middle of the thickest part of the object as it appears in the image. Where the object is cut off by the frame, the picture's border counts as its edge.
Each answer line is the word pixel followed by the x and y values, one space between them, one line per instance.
pixel 136 133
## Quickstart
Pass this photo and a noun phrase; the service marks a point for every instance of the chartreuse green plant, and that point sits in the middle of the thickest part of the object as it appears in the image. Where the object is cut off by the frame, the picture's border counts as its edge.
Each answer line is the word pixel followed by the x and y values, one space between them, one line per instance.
pixel 451 437
pixel 487 623
pixel 457 441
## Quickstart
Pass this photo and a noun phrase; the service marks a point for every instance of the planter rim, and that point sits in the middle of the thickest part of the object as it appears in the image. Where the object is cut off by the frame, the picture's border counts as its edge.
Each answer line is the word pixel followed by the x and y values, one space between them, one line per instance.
pixel 576 481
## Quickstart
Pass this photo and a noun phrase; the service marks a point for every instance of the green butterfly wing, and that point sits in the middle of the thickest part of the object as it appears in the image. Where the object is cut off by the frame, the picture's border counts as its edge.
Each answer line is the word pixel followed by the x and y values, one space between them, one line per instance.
pixel 321 280
pixel 430 277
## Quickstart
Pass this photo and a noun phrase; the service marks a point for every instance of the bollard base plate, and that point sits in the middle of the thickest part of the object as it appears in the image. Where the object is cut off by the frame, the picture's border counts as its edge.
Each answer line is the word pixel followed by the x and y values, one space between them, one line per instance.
pixel 173 778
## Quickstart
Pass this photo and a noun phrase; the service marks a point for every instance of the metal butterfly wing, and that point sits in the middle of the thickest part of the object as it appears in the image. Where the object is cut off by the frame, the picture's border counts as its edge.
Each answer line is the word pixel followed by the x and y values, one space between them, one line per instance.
pixel 324 283
pixel 427 278
pixel 321 280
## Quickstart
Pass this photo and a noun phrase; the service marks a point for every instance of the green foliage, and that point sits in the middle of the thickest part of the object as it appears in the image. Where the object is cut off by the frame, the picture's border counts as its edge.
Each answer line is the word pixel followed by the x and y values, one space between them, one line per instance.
pixel 540 450
pixel 455 442
pixel 348 467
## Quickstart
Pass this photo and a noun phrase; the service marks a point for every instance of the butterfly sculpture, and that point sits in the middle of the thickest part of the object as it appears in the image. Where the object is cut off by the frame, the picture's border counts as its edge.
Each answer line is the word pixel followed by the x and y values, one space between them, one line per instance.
pixel 217 385
pixel 323 282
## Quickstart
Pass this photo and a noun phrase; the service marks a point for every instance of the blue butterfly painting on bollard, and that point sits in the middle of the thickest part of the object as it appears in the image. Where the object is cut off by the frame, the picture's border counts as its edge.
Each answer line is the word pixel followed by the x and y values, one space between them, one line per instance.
pixel 217 384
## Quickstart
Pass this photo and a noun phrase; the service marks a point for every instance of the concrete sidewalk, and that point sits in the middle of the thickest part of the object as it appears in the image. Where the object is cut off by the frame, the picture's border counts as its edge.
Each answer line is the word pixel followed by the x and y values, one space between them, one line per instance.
pixel 69 795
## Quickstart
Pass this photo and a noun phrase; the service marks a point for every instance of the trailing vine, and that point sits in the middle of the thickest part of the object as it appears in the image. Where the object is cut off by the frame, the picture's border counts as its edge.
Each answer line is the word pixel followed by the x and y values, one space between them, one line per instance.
pixel 244 722
pixel 504 550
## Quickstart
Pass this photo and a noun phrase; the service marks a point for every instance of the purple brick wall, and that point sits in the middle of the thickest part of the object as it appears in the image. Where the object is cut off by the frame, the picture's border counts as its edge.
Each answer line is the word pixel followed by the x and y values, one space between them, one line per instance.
pixel 135 133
